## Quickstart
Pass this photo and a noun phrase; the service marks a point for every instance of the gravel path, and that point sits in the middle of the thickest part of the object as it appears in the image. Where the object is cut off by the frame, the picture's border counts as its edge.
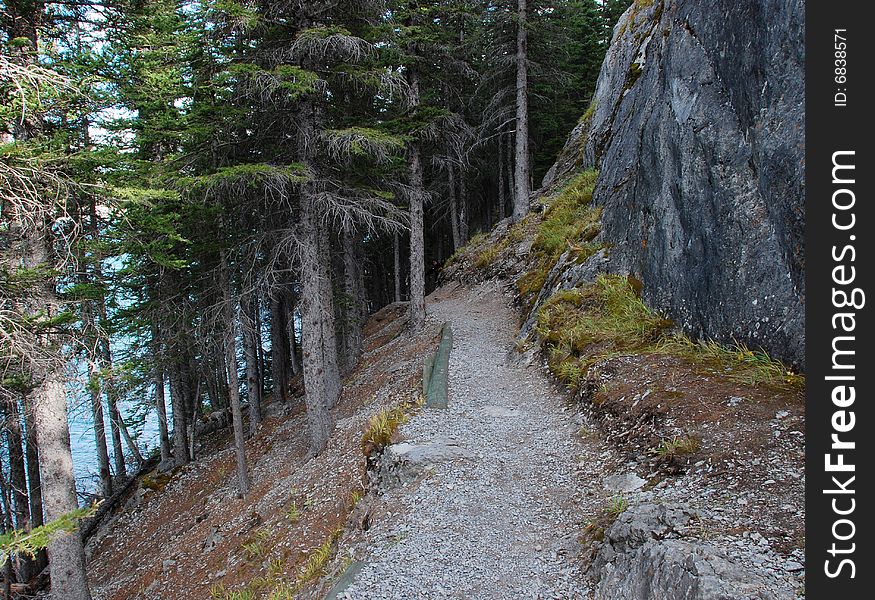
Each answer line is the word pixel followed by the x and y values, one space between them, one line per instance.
pixel 503 522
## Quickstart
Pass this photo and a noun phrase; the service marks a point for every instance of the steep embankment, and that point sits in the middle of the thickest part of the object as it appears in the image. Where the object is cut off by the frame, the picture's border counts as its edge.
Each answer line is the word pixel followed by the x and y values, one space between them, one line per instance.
pixel 696 128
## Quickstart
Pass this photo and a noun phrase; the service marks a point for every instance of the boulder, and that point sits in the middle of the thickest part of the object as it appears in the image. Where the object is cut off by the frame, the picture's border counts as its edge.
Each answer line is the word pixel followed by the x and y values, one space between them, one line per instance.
pixel 697 131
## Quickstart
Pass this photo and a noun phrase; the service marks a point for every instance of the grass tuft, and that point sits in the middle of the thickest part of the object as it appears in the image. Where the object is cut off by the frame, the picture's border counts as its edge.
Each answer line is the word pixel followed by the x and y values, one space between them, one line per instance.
pixel 315 566
pixel 583 325
pixel 570 223
pixel 736 361
pixel 677 446
pixel 383 425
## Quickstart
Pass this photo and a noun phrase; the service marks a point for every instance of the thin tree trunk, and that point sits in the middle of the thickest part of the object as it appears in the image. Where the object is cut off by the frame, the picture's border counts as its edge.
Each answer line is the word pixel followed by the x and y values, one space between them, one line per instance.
pixel 523 185
pixel 160 401
pixel 99 428
pixel 17 469
pixel 396 244
pixel 6 505
pixel 454 207
pixel 118 454
pixel 354 309
pixel 463 207
pixel 67 565
pixel 250 353
pixel 502 200
pixel 18 479
pixel 291 334
pixel 243 482
pixel 129 440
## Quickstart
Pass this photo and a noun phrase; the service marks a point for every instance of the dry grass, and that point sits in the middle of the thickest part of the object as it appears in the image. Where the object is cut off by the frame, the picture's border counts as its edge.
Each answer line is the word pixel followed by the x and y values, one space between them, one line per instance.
pixel 587 324
pixel 736 361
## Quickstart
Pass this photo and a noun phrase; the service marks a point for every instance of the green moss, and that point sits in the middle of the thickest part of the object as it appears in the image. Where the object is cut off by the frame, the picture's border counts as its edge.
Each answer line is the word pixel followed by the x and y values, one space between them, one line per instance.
pixel 156 481
pixel 632 77
pixel 570 223
pixel 590 111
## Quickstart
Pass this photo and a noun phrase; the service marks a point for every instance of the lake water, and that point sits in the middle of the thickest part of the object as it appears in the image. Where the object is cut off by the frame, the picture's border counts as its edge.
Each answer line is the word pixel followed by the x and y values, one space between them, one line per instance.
pixel 85 448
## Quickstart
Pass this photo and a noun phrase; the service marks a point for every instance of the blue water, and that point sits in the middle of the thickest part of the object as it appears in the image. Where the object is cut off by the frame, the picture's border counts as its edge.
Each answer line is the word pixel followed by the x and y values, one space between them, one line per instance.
pixel 85 448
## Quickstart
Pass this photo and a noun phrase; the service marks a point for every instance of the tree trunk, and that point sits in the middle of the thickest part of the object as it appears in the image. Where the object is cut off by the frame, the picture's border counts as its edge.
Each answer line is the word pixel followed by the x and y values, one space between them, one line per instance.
pixel 251 338
pixel 317 319
pixel 18 479
pixel 67 564
pixel 396 244
pixel 129 440
pixel 278 351
pixel 291 333
pixel 118 454
pixel 502 200
pixel 234 382
pixel 454 207
pixel 316 392
pixel 34 480
pixel 17 469
pixel 521 178
pixel 327 320
pixel 178 406
pixel 160 401
pixel 99 428
pixel 353 288
pixel 463 207
pixel 417 241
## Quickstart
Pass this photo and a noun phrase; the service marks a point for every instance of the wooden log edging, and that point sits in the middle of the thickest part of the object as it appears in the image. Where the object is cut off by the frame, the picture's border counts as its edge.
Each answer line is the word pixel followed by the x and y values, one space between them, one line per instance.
pixel 437 369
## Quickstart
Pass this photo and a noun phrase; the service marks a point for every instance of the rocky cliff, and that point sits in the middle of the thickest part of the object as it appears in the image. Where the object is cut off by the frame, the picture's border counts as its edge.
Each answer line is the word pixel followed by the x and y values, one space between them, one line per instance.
pixel 696 128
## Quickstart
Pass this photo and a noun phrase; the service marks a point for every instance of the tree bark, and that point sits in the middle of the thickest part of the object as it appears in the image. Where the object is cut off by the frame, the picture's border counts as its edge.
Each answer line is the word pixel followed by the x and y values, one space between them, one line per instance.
pixel 160 400
pixel 396 245
pixel 417 241
pixel 291 333
pixel 243 482
pixel 129 440
pixel 316 392
pixel 454 207
pixel 327 320
pixel 99 428
pixel 502 200
pixel 522 175
pixel 354 290
pixel 180 424
pixel 278 348
pixel 33 478
pixel 66 553
pixel 251 338
pixel 463 207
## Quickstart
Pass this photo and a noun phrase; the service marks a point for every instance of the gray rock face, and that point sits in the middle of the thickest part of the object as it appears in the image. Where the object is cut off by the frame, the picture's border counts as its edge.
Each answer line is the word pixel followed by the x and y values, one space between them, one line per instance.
pixel 698 135
pixel 643 559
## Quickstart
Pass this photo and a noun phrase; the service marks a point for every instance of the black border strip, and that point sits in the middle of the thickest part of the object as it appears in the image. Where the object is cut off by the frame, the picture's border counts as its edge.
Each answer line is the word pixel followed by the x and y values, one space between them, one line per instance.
pixel 839 115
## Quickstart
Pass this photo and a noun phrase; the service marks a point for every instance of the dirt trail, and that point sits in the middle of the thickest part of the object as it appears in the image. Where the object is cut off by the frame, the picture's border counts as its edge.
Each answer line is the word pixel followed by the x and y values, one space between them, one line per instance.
pixel 502 521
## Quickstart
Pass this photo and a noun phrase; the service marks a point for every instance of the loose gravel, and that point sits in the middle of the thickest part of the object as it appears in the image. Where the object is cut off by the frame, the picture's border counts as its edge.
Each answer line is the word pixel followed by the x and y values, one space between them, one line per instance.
pixel 505 523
